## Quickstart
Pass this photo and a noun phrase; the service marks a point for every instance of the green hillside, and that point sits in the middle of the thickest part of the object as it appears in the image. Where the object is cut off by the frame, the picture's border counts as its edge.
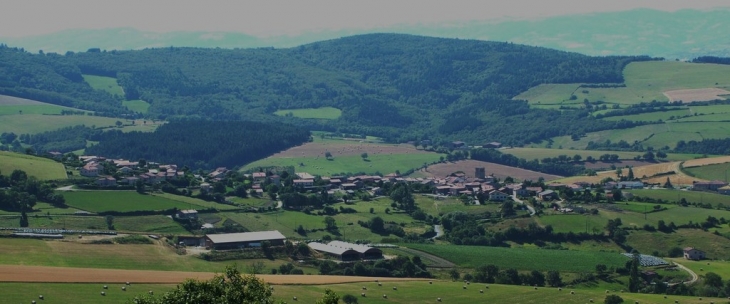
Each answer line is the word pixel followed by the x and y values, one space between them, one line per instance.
pixel 107 84
pixel 41 168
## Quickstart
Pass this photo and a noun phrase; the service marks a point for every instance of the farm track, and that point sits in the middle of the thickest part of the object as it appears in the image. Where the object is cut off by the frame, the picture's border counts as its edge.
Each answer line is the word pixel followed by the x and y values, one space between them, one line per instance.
pixel 437 261
pixel 41 274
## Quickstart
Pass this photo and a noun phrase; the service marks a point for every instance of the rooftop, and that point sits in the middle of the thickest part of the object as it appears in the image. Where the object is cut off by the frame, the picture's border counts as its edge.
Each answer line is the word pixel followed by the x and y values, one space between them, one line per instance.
pixel 245 237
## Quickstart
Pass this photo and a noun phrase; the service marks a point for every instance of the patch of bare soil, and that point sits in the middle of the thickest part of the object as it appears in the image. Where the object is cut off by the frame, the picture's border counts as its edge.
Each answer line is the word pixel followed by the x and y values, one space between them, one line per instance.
pixel 9 273
pixel 499 171
pixel 691 95
pixel 14 101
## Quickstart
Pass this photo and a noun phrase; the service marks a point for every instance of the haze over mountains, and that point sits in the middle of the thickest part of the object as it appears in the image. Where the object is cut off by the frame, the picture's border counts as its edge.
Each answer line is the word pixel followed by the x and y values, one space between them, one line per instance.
pixel 683 34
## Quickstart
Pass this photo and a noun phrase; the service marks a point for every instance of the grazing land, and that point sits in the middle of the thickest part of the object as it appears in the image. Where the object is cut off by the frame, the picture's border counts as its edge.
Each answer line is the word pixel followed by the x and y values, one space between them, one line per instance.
pixel 107 84
pixel 653 116
pixel 147 223
pixel 121 201
pixel 523 259
pixel 375 163
pixel 715 246
pixel 710 172
pixel 41 168
pixel 500 171
pixel 140 106
pixel 690 196
pixel 315 113
pixel 36 123
pixel 645 81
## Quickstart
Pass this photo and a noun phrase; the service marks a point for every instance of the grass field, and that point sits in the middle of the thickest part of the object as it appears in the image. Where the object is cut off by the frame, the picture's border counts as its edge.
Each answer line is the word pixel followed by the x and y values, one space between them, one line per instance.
pixel 523 259
pixel 655 135
pixel 382 163
pixel 36 123
pixel 317 113
pixel 148 223
pixel 652 116
pixel 122 201
pixel 715 246
pixel 194 203
pixel 540 153
pixel 408 292
pixel 140 106
pixel 711 172
pixel 108 84
pixel 690 196
pixel 41 168
pixel 32 109
pixel 702 267
pixel 645 81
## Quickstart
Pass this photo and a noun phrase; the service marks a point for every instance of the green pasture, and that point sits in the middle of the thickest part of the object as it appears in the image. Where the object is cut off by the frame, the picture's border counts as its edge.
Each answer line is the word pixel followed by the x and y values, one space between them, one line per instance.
pixel 122 201
pixel 194 203
pixel 540 153
pixel 317 113
pixel 137 105
pixel 250 201
pixel 645 81
pixel 723 117
pixel 711 172
pixel 652 116
pixel 441 206
pixel 145 224
pixel 102 83
pixel 76 293
pixel 721 268
pixel 655 135
pixel 641 207
pixel 41 168
pixel 523 259
pixel 716 247
pixel 319 165
pixel 36 123
pixel 47 109
pixel 690 196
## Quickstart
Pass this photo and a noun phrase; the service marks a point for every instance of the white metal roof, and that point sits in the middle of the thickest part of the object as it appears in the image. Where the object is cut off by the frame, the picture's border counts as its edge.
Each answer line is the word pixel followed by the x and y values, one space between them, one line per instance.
pixel 245 237
pixel 329 248
pixel 357 247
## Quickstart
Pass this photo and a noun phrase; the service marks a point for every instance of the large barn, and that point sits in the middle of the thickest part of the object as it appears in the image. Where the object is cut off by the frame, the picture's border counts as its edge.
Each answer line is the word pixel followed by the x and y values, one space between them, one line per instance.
pixel 347 251
pixel 243 240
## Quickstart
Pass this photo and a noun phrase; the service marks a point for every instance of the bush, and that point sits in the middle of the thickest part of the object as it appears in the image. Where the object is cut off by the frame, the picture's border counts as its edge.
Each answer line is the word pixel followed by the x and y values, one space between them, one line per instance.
pixel 349 299
pixel 133 239
pixel 613 299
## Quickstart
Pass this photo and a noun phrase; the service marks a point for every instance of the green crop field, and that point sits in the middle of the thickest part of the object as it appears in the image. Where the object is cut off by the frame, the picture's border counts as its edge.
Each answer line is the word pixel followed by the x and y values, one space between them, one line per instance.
pixel 645 81
pixel 122 201
pixel 41 168
pixel 36 123
pixel 102 83
pixel 523 259
pixel 711 172
pixel 690 196
pixel 655 135
pixel 382 163
pixel 194 203
pixel 716 247
pixel 408 292
pixel 317 113
pixel 140 106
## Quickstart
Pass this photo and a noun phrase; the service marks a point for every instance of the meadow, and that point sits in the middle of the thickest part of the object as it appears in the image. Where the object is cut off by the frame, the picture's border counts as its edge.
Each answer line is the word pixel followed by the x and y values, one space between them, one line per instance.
pixel 121 201
pixel 37 123
pixel 315 113
pixel 721 268
pixel 523 259
pixel 408 292
pixel 41 168
pixel 710 172
pixel 652 116
pixel 645 81
pixel 102 83
pixel 47 109
pixel 145 224
pixel 376 163
pixel 690 196
pixel 137 105
pixel 715 246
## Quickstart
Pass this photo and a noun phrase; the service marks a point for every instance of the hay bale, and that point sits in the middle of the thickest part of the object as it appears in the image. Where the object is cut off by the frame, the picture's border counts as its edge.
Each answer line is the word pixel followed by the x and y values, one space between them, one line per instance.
pixel 124 288
pixel 380 284
pixel 464 287
pixel 572 292
pixel 385 296
pixel 362 294
pixel 106 287
pixel 535 288
pixel 560 289
pixel 438 299
pixel 103 293
pixel 151 292
pixel 294 298
pixel 481 291
pixel 395 288
pixel 40 297
pixel 430 282
pixel 364 288
pixel 127 283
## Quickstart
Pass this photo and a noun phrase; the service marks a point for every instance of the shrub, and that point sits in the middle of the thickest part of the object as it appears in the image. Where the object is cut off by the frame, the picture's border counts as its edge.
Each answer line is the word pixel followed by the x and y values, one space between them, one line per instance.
pixel 613 299
pixel 349 299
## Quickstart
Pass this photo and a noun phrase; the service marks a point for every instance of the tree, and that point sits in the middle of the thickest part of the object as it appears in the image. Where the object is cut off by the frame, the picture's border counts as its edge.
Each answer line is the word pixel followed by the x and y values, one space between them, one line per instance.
pixel 454 274
pixel 713 279
pixel 229 288
pixel 364 155
pixel 377 225
pixel 631 173
pixel 661 154
pixel 139 186
pixel 330 297
pixel 553 278
pixel 634 278
pixel 110 222
pixel 613 299
pixel 668 184
pixel 649 156
pixel 349 299
pixel 601 268
pixel 119 124
pixel 328 155
pixel 23 219
pixel 330 223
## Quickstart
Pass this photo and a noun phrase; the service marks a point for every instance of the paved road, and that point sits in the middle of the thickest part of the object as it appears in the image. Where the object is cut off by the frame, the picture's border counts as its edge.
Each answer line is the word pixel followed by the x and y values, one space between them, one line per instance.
pixel 439 231
pixel 514 198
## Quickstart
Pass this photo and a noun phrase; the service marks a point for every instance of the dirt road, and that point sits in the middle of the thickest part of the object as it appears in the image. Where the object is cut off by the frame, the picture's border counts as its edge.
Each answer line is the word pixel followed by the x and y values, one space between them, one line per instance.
pixel 694 275
pixel 37 274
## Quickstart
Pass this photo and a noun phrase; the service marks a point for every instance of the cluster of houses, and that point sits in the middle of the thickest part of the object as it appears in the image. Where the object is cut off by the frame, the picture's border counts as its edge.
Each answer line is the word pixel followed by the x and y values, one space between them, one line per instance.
pixel 131 172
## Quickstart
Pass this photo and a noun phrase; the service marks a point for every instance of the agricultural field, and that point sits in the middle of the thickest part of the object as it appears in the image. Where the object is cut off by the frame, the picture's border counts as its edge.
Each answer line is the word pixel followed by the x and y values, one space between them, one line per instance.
pixel 41 168
pixel 645 81
pixel 140 106
pixel 523 259
pixel 702 267
pixel 314 113
pixel 653 116
pixel 690 196
pixel 375 163
pixel 147 223
pixel 443 205
pixel 37 123
pixel 194 203
pixel 499 171
pixel 706 161
pixel 121 201
pixel 540 153
pixel 47 109
pixel 76 293
pixel 691 95
pixel 711 172
pixel 102 83
pixel 716 247
pixel 656 173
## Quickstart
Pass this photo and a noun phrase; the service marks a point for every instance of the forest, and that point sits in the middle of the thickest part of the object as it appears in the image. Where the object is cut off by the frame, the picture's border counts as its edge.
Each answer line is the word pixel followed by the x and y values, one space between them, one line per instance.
pixel 399 87
pixel 202 144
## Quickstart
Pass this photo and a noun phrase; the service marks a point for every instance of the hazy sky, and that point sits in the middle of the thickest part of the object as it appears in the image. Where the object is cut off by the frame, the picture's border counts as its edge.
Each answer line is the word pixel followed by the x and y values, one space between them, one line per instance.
pixel 275 17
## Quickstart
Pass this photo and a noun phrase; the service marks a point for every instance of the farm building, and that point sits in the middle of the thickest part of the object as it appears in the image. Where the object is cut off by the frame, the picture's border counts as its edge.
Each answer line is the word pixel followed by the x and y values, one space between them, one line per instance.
pixel 712 186
pixel 187 214
pixel 347 251
pixel 631 185
pixel 691 253
pixel 497 196
pixel 243 240
pixel 547 195
pixel 724 190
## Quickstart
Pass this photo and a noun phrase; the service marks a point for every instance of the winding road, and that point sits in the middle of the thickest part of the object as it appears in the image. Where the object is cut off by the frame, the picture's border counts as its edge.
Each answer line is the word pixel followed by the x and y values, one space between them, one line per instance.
pixel 514 198
pixel 694 275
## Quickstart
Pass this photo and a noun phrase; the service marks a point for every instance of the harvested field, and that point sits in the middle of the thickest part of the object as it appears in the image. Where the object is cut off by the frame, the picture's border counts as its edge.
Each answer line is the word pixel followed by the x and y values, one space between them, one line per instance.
pixel 654 174
pixel 500 171
pixel 345 148
pixel 38 274
pixel 691 95
pixel 619 164
pixel 706 161
pixel 15 101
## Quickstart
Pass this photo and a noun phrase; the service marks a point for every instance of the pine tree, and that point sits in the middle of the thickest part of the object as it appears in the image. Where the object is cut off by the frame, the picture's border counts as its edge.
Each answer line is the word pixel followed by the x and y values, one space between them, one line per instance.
pixel 631 174
pixel 668 184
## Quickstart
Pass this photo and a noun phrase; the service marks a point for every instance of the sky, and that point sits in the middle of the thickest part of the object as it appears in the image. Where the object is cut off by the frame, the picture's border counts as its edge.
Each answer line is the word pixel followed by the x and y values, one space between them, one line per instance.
pixel 264 18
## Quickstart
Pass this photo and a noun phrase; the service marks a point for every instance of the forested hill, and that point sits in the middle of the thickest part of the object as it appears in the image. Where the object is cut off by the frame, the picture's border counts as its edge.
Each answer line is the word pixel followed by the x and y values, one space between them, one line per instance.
pixel 400 87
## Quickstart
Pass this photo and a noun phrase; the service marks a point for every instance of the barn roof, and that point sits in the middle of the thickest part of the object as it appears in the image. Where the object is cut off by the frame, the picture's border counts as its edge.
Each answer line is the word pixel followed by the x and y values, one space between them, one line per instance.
pixel 331 249
pixel 245 237
pixel 357 247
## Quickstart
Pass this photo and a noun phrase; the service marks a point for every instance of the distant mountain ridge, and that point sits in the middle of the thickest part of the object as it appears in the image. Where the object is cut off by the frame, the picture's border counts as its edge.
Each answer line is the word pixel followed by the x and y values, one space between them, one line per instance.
pixel 683 34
